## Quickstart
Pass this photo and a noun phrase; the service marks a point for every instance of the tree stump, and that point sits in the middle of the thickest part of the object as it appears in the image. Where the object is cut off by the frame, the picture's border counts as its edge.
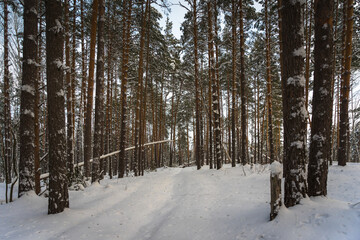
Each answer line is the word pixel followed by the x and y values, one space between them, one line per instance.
pixel 275 187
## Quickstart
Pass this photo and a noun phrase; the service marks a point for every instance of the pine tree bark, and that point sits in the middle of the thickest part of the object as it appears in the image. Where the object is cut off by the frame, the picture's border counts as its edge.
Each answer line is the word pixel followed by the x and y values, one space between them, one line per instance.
pixel 234 92
pixel 69 113
pixel 138 111
pixel 99 98
pixel 320 145
pixel 294 112
pixel 29 79
pixel 243 91
pixel 343 153
pixel 124 68
pixel 197 88
pixel 58 191
pixel 90 91
pixel 269 84
pixel 37 168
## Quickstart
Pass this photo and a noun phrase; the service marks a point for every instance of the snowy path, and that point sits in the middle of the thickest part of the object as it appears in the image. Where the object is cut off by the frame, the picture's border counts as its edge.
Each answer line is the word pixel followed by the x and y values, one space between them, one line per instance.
pixel 186 204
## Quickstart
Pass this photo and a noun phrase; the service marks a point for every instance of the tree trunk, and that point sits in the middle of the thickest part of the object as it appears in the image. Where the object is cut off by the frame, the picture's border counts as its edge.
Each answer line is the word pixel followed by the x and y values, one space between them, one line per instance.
pixel 126 48
pixel 69 135
pixel 243 91
pixel 343 156
pixel 294 112
pixel 320 145
pixel 197 88
pixel 90 91
pixel 58 191
pixel 268 83
pixel 29 79
pixel 99 98
pixel 234 92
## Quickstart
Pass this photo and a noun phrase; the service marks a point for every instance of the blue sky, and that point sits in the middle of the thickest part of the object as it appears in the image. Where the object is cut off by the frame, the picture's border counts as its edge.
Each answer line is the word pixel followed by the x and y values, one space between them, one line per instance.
pixel 176 15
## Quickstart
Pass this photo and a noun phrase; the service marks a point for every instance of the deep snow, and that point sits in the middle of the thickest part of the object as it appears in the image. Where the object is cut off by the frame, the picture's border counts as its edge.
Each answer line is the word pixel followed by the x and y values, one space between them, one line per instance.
pixel 176 203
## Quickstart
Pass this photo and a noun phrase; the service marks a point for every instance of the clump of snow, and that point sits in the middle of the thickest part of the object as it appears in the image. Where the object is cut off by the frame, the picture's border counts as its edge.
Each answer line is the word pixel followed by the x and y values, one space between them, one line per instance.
pixel 300 52
pixel 297 144
pixel 276 168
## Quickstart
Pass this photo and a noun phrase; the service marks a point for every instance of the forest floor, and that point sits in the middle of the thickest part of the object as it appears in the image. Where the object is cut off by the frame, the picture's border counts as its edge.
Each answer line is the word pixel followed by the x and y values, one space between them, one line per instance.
pixel 186 204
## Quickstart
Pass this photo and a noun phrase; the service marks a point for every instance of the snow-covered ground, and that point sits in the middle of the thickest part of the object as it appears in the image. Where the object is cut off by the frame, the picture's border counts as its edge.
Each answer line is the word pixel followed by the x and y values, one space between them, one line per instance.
pixel 176 203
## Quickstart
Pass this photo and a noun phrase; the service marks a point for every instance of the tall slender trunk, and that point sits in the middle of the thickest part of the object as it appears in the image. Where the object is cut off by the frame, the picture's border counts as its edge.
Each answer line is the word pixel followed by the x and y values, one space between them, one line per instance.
pixel 70 137
pixel 243 91
pixel 197 88
pixel 90 91
pixel 37 168
pixel 268 83
pixel 234 91
pixel 210 135
pixel 28 86
pixel 343 153
pixel 99 98
pixel 58 191
pixel 138 109
pixel 124 68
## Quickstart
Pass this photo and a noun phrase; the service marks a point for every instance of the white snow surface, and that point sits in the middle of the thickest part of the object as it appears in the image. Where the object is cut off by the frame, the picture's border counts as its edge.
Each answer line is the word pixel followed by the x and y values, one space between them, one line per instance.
pixel 186 204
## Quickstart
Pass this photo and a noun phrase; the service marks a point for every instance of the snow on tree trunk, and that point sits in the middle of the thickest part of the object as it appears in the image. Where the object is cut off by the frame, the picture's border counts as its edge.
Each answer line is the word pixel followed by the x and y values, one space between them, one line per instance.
pixel 275 188
pixel 294 112
pixel 29 77
pixel 58 190
pixel 124 68
pixel 99 98
pixel 320 145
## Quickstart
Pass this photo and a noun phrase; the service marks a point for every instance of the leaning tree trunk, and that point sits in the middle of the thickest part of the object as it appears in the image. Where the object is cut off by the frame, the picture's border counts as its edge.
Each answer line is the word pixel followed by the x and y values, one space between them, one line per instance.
pixel 320 145
pixel 294 112
pixel 58 190
pixel 99 98
pixel 29 79
pixel 343 154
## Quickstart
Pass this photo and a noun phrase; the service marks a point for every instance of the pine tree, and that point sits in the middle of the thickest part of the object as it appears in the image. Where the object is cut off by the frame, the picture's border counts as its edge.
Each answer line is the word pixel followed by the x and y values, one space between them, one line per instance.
pixel 320 145
pixel 99 98
pixel 293 102
pixel 58 191
pixel 29 79
pixel 343 154
pixel 90 91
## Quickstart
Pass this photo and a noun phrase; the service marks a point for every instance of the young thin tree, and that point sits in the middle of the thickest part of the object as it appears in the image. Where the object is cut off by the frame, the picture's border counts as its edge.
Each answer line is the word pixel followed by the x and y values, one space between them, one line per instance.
pixel 58 190
pixel 343 153
pixel 29 77
pixel 294 112
pixel 320 145
pixel 99 98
